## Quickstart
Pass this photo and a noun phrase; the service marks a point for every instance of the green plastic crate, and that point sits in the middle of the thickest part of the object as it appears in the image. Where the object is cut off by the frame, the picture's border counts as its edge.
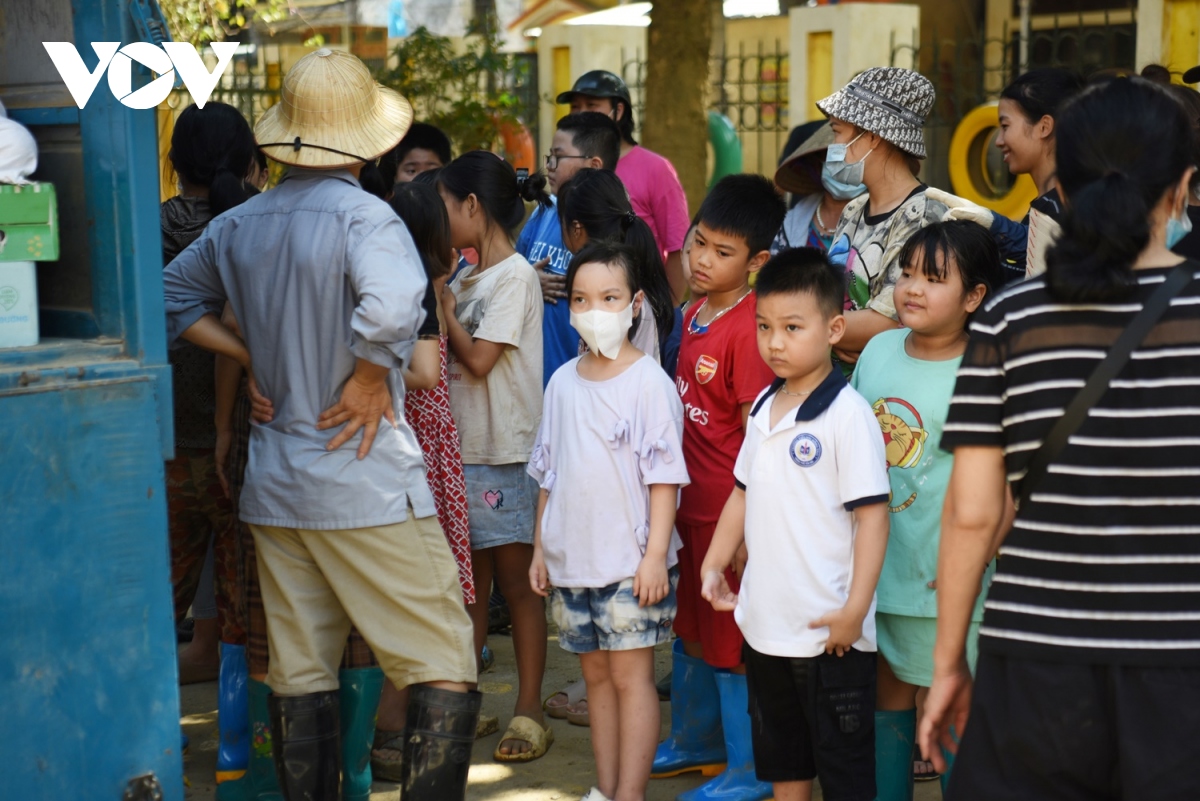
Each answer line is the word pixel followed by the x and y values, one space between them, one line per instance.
pixel 28 223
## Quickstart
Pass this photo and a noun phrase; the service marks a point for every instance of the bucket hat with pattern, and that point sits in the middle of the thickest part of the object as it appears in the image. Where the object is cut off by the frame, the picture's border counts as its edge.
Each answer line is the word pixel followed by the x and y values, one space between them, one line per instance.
pixel 890 102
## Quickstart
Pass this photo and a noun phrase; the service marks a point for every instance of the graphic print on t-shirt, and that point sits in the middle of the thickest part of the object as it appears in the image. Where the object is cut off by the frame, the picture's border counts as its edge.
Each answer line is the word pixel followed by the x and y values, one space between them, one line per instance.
pixel 903 439
pixel 706 368
pixel 860 268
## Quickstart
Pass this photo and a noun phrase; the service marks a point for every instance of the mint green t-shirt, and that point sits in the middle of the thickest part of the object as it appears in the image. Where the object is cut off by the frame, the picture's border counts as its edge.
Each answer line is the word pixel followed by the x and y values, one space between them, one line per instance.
pixel 911 398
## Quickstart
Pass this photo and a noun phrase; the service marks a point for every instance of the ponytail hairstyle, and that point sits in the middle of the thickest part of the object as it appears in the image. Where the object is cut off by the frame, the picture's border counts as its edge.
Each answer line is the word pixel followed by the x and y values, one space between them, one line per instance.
pixel 500 189
pixel 214 147
pixel 425 215
pixel 1122 144
pixel 597 200
pixel 972 247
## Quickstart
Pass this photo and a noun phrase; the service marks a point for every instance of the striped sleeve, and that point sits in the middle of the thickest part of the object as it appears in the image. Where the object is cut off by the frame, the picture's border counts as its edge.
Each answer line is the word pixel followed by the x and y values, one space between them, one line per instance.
pixel 977 409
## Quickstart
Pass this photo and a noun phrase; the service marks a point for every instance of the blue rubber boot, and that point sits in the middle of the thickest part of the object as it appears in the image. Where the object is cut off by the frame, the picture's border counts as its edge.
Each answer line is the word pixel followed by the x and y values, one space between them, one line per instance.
pixel 233 714
pixel 895 733
pixel 738 782
pixel 696 741
pixel 259 782
pixel 358 691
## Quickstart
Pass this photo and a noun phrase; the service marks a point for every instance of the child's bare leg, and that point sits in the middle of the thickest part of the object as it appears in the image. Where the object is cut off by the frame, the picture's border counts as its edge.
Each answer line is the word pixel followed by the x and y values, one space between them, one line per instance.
pixel 528 633
pixel 604 719
pixel 482 569
pixel 693 648
pixel 637 700
pixel 893 695
pixel 393 708
pixel 792 791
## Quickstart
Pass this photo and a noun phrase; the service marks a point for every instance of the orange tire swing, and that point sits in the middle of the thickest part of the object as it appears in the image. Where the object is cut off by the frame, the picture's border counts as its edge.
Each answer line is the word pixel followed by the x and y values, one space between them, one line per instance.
pixel 517 147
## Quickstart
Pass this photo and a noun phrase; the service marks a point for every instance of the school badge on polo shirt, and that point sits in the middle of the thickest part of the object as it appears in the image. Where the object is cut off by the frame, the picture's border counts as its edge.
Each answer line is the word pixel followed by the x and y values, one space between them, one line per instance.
pixel 805 450
pixel 706 368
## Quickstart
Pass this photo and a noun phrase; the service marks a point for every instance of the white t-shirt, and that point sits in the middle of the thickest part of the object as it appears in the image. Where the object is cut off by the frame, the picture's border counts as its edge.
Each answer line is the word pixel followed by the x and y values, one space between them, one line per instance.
pixel 497 415
pixel 803 479
pixel 600 447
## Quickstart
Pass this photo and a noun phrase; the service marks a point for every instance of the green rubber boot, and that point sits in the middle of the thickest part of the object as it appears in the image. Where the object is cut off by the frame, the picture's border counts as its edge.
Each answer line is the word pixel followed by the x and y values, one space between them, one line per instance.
pixel 895 733
pixel 259 783
pixel 359 691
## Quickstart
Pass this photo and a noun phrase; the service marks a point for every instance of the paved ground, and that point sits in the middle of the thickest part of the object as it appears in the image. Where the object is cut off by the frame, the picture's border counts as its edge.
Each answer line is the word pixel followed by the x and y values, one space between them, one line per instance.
pixel 564 774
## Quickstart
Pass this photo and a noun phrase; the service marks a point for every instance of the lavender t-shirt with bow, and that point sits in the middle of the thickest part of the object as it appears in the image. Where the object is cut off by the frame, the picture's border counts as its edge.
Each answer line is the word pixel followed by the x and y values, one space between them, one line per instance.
pixel 600 447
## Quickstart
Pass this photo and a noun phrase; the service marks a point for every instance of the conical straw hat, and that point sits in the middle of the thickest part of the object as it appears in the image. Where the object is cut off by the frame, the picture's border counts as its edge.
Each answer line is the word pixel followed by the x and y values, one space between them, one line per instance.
pixel 332 114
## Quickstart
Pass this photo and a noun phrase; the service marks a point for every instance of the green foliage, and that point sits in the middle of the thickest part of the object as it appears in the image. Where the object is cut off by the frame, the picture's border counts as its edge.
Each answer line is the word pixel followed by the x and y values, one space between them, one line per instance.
pixel 467 94
pixel 203 21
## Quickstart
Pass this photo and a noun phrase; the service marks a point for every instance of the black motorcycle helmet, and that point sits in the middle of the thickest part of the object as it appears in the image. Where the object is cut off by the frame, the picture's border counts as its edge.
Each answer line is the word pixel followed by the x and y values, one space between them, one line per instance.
pixel 602 83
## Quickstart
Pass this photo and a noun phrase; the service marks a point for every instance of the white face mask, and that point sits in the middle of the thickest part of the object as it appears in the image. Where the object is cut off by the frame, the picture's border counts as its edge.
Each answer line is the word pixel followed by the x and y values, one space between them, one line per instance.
pixel 603 331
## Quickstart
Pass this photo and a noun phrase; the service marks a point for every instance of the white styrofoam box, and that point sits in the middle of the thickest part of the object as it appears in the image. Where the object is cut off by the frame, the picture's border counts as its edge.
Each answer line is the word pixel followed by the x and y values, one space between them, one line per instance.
pixel 18 304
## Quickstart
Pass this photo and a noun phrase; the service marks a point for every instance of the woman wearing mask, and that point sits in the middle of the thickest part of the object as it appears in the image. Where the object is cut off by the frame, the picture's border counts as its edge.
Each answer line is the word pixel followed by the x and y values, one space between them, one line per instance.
pixel 1089 660
pixel 877 121
pixel 817 198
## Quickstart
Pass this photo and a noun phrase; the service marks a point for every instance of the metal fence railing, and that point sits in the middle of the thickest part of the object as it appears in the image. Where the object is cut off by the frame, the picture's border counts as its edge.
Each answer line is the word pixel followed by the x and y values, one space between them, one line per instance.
pixel 750 87
pixel 970 69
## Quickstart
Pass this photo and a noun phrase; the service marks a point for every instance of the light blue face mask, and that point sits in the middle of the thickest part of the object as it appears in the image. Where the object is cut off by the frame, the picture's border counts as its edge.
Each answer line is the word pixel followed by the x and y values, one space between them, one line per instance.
pixel 1178 228
pixel 842 180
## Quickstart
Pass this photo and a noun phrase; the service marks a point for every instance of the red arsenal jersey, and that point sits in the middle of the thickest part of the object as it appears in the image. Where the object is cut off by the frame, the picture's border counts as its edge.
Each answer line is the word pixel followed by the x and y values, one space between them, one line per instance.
pixel 718 371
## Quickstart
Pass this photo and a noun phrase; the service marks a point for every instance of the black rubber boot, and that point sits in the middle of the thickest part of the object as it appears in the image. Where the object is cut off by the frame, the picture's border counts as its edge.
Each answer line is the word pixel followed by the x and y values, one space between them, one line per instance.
pixel 437 748
pixel 307 746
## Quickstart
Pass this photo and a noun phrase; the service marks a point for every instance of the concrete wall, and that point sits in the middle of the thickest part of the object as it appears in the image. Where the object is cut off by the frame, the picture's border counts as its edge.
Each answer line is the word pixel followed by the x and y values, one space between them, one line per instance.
pixel 567 51
pixel 832 44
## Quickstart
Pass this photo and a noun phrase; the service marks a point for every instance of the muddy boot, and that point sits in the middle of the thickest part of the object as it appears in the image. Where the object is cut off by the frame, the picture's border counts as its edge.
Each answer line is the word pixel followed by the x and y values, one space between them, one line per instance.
pixel 437 749
pixel 307 746
pixel 358 692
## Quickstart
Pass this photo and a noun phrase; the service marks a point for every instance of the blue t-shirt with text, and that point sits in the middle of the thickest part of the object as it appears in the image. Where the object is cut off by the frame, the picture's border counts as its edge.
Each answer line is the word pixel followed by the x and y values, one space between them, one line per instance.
pixel 542 237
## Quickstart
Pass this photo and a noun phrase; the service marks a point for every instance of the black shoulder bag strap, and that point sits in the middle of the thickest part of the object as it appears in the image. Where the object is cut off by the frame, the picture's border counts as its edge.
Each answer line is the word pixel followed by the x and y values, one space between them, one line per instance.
pixel 1102 376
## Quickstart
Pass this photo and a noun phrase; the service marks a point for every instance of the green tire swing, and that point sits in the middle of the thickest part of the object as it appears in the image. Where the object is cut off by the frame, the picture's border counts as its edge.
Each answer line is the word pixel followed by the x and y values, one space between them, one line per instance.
pixel 726 147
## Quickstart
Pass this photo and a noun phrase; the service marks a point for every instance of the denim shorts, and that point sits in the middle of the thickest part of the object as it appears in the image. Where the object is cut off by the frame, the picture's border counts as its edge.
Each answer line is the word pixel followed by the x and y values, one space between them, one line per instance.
pixel 501 504
pixel 609 619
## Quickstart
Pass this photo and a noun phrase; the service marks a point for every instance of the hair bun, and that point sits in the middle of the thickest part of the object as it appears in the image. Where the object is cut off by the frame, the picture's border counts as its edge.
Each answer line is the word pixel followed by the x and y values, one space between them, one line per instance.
pixel 532 187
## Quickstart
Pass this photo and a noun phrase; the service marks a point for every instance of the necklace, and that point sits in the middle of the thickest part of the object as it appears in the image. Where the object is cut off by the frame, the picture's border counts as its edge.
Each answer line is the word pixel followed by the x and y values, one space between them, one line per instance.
pixel 796 394
pixel 821 222
pixel 696 328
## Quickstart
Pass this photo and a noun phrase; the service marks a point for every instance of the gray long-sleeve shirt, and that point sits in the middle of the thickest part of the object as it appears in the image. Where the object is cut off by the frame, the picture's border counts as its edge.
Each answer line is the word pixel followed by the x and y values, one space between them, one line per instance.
pixel 318 272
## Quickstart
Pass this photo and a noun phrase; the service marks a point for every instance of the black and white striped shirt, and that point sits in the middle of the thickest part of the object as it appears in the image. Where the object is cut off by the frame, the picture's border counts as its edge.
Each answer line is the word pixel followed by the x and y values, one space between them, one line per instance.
pixel 1103 565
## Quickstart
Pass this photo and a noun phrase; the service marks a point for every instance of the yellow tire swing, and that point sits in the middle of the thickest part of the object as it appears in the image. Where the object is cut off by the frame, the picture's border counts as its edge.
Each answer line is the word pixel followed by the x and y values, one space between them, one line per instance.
pixel 969 174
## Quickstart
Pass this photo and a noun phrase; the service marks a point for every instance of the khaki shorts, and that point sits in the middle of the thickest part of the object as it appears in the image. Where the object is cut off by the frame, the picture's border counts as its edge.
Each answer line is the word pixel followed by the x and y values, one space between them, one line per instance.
pixel 397 584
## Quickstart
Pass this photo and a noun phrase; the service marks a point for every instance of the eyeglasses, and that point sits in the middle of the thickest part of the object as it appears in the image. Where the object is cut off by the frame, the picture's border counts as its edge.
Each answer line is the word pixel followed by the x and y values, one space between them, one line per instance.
pixel 552 160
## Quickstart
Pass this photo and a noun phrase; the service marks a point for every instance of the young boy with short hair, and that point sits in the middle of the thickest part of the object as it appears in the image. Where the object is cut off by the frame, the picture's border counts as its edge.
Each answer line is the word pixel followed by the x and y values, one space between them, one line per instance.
pixel 810 504
pixel 425 147
pixel 587 140
pixel 719 374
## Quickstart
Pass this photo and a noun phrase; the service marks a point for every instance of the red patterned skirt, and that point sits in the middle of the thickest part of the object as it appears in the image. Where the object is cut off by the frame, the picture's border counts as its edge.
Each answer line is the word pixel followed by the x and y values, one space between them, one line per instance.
pixel 428 412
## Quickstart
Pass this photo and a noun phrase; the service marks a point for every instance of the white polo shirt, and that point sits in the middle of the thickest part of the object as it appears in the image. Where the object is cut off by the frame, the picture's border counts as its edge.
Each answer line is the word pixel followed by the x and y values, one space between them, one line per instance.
pixel 803 480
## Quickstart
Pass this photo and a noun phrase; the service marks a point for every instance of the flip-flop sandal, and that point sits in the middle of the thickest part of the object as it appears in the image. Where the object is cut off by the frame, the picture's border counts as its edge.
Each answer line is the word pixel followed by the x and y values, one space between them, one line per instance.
pixel 577 714
pixel 488 724
pixel 527 730
pixel 383 767
pixel 932 775
pixel 573 693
